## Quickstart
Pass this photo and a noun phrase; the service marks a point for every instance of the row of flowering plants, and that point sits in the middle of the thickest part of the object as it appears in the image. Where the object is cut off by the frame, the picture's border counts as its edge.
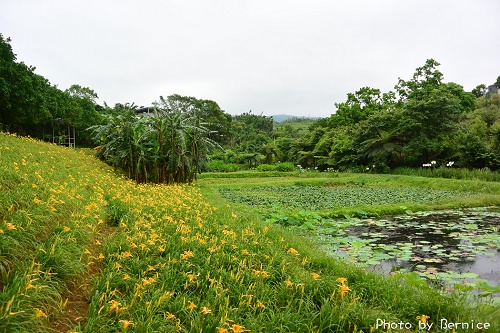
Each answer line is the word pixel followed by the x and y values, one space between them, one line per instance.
pixel 186 265
pixel 173 261
pixel 51 206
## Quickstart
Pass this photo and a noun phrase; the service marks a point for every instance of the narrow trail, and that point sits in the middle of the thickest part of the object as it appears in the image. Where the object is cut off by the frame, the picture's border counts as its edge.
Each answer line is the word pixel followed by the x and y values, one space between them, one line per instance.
pixel 76 298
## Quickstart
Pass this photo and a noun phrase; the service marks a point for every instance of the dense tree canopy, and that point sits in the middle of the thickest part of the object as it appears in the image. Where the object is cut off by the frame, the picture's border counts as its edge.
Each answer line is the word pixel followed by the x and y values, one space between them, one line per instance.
pixel 30 105
pixel 423 119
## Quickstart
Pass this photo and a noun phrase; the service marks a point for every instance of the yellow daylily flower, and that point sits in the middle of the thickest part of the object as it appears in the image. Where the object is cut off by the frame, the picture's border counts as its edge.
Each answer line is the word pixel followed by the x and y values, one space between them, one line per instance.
pixel 205 310
pixel 115 305
pixel 342 280
pixel 126 323
pixel 343 289
pixel 40 313
pixel 191 305
pixel 423 318
pixel 238 328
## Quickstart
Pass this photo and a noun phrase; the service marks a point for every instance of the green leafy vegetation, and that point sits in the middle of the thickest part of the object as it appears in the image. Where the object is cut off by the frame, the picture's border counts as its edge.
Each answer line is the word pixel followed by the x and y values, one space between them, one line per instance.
pixel 85 250
pixel 169 146
pixel 318 198
pixel 459 173
pixel 177 259
pixel 424 123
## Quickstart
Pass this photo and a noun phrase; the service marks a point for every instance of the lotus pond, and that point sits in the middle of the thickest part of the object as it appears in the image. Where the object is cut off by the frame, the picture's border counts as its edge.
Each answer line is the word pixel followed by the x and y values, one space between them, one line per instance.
pixel 453 248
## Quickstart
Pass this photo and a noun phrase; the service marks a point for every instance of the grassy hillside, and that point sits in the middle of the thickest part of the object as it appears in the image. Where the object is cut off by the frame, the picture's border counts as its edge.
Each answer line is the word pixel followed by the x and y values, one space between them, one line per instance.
pixel 85 250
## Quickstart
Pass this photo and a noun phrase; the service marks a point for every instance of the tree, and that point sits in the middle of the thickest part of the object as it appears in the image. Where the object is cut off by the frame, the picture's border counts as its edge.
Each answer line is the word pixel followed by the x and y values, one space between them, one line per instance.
pixel 343 153
pixel 30 105
pixel 287 149
pixel 85 93
pixel 425 77
pixel 478 138
pixel 7 72
pixel 431 111
pixel 359 106
pixel 269 151
pixel 125 139
pixel 249 132
pixel 171 145
pixel 479 91
pixel 377 140
pixel 384 148
pixel 82 110
pixel 210 115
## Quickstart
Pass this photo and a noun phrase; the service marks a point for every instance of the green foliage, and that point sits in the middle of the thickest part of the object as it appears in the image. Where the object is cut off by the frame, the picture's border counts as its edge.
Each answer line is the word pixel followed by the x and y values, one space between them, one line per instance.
pixel 293 128
pixel 359 106
pixel 170 146
pixel 480 90
pixel 453 173
pixel 308 220
pixel 265 167
pixel 249 132
pixel 424 119
pixel 221 166
pixel 117 211
pixel 317 198
pixel 179 259
pixel 283 167
pixel 287 149
pixel 421 120
pixel 30 105
pixel 432 112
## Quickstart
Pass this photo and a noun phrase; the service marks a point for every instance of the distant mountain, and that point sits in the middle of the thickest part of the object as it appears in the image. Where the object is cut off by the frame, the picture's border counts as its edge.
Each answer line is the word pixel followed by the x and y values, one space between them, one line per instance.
pixel 282 117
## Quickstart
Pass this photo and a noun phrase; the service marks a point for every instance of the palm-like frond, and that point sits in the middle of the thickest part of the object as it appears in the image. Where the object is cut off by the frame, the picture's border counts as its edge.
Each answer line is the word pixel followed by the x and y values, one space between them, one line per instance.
pixel 170 146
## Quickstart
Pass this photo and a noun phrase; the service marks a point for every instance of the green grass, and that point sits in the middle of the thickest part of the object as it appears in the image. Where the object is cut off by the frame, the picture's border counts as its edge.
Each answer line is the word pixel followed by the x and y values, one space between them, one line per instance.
pixel 48 215
pixel 182 258
pixel 454 173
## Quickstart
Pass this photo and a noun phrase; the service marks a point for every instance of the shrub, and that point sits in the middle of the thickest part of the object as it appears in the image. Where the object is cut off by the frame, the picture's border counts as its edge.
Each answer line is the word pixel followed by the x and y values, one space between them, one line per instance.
pixel 220 166
pixel 266 167
pixel 287 166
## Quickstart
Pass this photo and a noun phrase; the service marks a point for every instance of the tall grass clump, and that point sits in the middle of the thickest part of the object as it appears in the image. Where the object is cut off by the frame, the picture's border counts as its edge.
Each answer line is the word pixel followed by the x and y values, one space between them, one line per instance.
pixel 283 167
pixel 453 173
pixel 221 166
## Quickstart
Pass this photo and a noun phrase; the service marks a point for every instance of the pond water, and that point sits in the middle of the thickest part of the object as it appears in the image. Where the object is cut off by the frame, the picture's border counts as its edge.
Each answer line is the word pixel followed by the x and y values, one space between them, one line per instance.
pixel 453 246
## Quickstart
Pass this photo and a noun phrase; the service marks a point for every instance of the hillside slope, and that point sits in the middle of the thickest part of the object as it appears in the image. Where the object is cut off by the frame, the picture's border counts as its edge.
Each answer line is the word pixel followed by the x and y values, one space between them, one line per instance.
pixel 172 262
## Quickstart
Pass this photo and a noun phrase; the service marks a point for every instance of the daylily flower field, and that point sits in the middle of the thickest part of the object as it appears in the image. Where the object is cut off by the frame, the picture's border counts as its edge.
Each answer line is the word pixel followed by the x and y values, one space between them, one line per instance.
pixel 85 250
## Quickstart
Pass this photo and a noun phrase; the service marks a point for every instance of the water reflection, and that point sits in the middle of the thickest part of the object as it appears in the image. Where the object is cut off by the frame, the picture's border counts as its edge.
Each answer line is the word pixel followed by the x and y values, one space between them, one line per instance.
pixel 461 241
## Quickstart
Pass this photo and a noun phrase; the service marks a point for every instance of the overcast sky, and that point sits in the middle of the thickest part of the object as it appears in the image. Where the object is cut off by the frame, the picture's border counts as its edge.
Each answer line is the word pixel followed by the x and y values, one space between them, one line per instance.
pixel 271 57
